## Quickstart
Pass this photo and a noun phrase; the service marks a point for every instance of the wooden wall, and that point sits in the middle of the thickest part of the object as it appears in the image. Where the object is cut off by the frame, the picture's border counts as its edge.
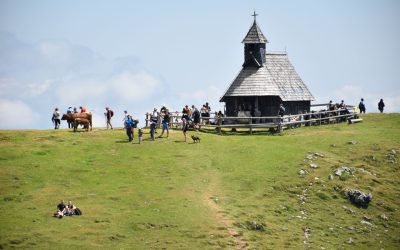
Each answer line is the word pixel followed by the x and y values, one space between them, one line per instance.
pixel 267 105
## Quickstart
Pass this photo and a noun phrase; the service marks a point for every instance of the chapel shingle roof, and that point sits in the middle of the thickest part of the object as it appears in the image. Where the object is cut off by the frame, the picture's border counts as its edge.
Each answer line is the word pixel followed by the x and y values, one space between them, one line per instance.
pixel 276 78
pixel 255 35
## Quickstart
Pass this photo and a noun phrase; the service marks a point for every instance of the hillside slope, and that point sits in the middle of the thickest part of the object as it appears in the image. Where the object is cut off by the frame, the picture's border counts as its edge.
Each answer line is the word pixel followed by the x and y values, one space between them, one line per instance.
pixel 225 192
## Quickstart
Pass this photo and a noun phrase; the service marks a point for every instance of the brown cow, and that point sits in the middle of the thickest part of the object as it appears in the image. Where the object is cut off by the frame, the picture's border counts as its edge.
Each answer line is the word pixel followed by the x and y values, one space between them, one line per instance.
pixel 72 117
pixel 81 121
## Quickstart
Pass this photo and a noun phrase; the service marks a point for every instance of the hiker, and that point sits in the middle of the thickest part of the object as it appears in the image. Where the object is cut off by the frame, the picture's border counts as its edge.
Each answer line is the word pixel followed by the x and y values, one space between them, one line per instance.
pixel 83 109
pixel 381 105
pixel 129 123
pixel 165 123
pixel 69 111
pixel 361 106
pixel 153 123
pixel 75 110
pixel 56 118
pixel 125 116
pixel 185 125
pixel 61 210
pixel 195 118
pixel 109 113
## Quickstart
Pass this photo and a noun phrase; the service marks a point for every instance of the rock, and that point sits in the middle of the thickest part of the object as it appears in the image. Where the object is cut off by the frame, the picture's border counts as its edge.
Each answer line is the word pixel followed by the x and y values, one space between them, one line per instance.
pixel 367 223
pixel 307 232
pixel 383 217
pixel 319 155
pixel 303 172
pixel 350 228
pixel 350 241
pixel 309 157
pixel 367 218
pixel 359 198
pixel 333 145
pixel 330 177
pixel 353 142
pixel 341 170
pixel 391 157
pixel 312 165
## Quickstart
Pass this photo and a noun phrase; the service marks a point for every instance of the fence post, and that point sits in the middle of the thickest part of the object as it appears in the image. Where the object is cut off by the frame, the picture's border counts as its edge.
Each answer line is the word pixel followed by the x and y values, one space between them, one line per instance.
pixel 251 125
pixel 280 124
pixel 319 119
pixel 147 120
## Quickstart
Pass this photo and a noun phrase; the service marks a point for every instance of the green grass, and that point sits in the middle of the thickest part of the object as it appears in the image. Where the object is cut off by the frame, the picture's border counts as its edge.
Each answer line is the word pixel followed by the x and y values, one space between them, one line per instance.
pixel 180 195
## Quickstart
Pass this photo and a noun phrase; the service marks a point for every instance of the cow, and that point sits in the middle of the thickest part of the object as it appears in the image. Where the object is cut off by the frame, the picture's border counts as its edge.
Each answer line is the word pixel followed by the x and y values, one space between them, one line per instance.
pixel 81 121
pixel 72 117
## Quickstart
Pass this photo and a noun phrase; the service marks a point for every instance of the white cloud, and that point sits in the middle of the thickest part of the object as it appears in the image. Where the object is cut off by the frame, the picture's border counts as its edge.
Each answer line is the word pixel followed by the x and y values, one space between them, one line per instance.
pixel 135 86
pixel 17 115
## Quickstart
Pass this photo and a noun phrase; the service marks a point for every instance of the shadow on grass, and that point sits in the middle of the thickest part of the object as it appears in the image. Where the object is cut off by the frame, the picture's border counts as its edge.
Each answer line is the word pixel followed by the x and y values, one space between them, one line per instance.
pixel 122 141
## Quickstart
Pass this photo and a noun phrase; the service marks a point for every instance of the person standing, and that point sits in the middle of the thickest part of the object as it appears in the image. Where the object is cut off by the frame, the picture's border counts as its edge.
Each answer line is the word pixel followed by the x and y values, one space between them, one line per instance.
pixel 153 123
pixel 361 106
pixel 83 109
pixel 109 114
pixel 129 127
pixel 281 111
pixel 165 123
pixel 195 118
pixel 381 105
pixel 56 118
pixel 69 111
pixel 185 125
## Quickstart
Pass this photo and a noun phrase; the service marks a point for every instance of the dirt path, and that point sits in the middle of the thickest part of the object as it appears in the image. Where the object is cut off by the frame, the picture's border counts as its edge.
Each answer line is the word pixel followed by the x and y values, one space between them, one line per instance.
pixel 221 218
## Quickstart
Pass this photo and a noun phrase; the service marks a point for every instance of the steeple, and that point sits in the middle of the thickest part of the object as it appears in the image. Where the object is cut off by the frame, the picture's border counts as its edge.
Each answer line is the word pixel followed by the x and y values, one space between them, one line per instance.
pixel 254 46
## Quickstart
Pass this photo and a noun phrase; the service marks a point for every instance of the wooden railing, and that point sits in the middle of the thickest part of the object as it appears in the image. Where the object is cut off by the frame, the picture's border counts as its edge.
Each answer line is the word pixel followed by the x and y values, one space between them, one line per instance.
pixel 276 123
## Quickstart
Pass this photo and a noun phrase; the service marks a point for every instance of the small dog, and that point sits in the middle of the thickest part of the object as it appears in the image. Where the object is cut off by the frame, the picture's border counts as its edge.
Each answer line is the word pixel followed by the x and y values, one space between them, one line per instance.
pixel 195 138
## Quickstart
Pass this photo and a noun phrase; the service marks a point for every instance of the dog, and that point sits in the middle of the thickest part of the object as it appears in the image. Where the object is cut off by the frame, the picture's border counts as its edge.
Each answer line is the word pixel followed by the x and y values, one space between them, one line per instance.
pixel 195 138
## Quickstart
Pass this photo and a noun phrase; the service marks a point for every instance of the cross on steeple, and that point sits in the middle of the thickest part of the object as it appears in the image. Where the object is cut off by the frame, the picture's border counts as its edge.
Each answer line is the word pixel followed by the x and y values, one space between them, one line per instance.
pixel 254 15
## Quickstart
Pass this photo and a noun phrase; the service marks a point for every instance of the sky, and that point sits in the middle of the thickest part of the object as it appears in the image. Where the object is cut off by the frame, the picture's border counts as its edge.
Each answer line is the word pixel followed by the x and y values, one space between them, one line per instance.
pixel 137 55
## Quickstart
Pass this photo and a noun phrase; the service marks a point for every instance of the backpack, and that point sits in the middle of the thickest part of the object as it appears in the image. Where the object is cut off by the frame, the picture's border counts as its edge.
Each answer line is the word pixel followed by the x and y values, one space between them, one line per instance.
pixel 78 211
pixel 111 113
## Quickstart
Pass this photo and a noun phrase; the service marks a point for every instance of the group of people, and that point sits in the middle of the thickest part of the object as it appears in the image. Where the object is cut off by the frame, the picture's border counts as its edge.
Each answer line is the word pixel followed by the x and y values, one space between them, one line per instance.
pixel 56 118
pixel 361 106
pixel 66 210
pixel 191 116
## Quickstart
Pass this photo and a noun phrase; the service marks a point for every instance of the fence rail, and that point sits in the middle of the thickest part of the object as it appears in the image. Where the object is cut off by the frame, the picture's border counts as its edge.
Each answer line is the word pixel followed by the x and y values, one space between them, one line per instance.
pixel 276 123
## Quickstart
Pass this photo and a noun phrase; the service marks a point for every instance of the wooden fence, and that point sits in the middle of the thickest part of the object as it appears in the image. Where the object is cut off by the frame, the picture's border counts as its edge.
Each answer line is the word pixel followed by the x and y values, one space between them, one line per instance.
pixel 274 123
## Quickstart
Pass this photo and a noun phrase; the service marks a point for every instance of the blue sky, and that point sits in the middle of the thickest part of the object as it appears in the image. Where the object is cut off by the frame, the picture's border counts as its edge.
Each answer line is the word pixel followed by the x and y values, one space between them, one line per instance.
pixel 137 55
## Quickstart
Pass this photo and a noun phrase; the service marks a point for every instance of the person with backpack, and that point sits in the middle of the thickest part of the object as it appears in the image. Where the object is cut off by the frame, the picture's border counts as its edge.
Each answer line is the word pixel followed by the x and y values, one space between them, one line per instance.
pixel 195 118
pixel 361 106
pixel 381 105
pixel 109 114
pixel 129 124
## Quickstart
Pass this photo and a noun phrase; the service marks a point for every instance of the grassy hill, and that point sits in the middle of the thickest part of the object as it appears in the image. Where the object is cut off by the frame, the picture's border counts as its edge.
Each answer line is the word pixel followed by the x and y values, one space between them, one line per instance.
pixel 225 192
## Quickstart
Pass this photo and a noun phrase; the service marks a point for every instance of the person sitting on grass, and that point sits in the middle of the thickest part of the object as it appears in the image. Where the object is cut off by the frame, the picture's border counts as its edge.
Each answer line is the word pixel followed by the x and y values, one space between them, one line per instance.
pixel 61 210
pixel 70 208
